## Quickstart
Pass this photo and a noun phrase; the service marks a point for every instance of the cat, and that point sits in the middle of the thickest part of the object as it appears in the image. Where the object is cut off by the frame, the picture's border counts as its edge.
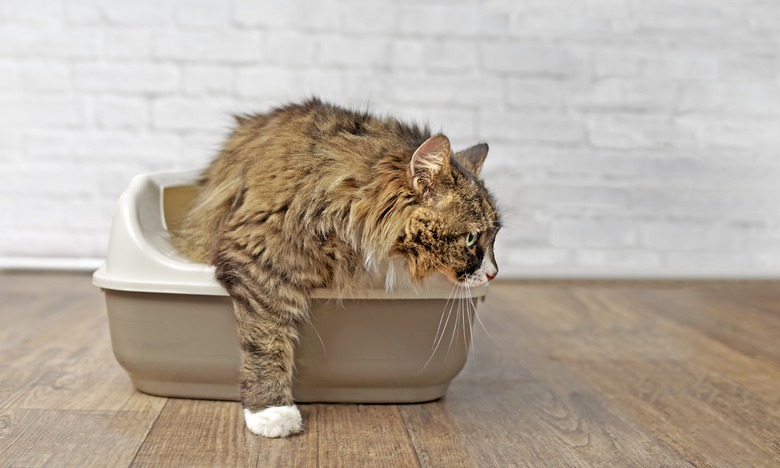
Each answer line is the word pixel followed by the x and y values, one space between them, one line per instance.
pixel 312 195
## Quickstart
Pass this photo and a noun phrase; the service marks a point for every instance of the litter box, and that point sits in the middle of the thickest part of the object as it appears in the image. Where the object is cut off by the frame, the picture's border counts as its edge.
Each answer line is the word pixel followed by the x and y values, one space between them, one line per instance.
pixel 173 329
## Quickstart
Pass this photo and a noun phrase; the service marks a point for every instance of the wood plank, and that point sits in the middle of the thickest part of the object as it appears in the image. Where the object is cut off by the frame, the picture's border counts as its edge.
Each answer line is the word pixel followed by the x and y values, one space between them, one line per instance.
pixel 649 367
pixel 435 436
pixel 51 369
pixel 199 433
pixel 361 435
pixel 335 435
pixel 38 437
pixel 522 408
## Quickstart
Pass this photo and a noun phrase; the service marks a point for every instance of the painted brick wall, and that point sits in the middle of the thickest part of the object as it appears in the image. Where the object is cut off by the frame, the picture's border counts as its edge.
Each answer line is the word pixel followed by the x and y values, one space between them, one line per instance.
pixel 625 134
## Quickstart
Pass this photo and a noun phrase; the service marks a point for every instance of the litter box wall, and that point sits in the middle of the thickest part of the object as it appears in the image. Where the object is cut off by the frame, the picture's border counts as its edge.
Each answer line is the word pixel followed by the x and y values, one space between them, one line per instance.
pixel 173 329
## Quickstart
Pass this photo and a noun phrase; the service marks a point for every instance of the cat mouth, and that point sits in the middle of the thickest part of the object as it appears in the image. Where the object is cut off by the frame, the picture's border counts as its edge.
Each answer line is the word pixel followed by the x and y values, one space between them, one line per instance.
pixel 467 281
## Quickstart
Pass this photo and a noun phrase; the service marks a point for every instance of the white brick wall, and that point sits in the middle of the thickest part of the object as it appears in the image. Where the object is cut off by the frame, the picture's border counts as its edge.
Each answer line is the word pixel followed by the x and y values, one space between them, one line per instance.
pixel 626 135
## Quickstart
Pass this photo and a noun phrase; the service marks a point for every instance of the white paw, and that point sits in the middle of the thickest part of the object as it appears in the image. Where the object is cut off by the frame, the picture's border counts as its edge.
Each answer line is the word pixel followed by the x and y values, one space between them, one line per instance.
pixel 276 421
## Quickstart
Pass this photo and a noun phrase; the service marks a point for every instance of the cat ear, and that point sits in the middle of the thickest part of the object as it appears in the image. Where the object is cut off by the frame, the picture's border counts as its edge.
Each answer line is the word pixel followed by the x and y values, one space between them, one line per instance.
pixel 473 158
pixel 429 160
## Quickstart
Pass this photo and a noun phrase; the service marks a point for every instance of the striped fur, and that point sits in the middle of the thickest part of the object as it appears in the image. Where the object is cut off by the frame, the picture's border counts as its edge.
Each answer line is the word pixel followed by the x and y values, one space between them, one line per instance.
pixel 313 195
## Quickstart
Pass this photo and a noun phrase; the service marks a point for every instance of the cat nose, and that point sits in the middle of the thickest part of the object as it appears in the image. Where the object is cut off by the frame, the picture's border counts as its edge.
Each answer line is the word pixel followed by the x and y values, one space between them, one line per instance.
pixel 489 276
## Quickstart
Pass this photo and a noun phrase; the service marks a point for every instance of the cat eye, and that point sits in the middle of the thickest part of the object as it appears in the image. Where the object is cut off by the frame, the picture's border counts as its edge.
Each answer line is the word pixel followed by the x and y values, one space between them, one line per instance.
pixel 471 238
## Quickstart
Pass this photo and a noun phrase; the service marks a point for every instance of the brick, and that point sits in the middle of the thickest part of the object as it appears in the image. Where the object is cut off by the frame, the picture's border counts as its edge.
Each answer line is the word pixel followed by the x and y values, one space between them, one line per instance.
pixel 571 23
pixel 202 12
pixel 407 54
pixel 221 46
pixel 615 63
pixel 53 243
pixel 353 52
pixel 48 145
pixel 123 112
pixel 688 236
pixel 44 76
pixel 369 18
pixel 143 13
pixel 122 147
pixel 55 111
pixel 682 67
pixel 621 94
pixel 10 145
pixel 717 173
pixel 205 79
pixel 192 114
pixel 763 17
pixel 147 78
pixel 32 10
pixel 544 128
pixel 35 213
pixel 752 134
pixel 651 199
pixel 48 42
pixel 631 131
pixel 734 204
pixel 83 12
pixel 89 215
pixel 618 258
pixel 573 196
pixel 731 98
pixel 50 179
pixel 129 44
pixel 266 82
pixel 527 58
pixel 535 93
pixel 521 228
pixel 452 20
pixel 604 165
pixel 531 256
pixel 280 14
pixel 504 180
pixel 290 48
pixel 447 90
pixel 750 69
pixel 689 17
pixel 451 55
pixel 594 233
pixel 9 76
pixel 284 83
pixel 364 87
pixel 729 263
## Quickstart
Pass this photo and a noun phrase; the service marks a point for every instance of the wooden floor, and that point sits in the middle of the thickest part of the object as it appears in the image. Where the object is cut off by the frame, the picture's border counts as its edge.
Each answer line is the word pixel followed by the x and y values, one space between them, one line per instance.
pixel 577 374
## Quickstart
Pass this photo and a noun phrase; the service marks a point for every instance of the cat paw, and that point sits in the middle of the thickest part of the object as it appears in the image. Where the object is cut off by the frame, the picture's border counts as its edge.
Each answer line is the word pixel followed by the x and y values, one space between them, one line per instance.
pixel 276 421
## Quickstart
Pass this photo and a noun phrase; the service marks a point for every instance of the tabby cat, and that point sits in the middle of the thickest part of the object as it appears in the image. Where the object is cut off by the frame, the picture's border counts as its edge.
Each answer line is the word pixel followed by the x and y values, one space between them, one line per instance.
pixel 313 195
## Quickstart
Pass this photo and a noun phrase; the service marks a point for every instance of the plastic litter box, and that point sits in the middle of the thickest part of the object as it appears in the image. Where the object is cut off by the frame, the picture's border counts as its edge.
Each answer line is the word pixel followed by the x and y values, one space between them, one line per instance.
pixel 173 329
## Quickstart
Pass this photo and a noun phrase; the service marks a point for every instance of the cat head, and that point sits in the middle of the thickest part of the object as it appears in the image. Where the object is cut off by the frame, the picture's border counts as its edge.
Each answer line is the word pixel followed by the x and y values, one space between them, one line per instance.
pixel 454 223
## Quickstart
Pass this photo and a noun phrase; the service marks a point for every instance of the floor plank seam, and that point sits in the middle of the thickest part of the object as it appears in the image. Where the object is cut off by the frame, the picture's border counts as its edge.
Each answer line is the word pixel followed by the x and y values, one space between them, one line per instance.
pixel 409 435
pixel 146 436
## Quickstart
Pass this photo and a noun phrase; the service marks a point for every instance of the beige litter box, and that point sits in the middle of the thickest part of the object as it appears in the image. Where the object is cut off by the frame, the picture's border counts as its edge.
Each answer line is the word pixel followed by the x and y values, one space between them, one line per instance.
pixel 173 330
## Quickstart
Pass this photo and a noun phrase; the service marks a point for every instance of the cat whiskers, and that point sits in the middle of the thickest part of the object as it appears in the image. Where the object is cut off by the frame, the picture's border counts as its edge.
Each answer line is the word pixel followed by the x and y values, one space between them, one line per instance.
pixel 461 302
pixel 481 323
pixel 471 311
pixel 439 336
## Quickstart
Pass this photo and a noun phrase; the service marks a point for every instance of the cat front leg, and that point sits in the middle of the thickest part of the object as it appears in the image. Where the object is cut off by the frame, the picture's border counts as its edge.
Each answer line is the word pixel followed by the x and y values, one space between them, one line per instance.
pixel 267 357
pixel 268 320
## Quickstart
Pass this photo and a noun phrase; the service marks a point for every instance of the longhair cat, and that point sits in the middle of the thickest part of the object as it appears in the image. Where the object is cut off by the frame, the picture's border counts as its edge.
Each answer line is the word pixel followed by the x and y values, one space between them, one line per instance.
pixel 313 195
